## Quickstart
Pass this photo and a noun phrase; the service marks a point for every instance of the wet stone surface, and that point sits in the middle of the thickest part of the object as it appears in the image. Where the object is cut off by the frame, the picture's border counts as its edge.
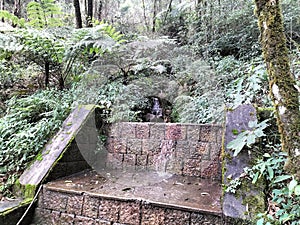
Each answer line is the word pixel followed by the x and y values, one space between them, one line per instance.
pixel 189 192
pixel 130 197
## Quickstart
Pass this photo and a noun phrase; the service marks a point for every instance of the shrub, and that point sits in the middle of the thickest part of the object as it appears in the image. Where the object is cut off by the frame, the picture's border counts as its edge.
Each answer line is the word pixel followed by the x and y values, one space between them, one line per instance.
pixel 27 126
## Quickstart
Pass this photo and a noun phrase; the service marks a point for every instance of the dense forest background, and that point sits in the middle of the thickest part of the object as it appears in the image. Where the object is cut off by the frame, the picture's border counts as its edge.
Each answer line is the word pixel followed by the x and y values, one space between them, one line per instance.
pixel 199 57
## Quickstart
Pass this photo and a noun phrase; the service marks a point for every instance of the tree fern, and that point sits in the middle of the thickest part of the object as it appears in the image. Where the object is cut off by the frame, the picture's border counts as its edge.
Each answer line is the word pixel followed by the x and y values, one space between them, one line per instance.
pixel 44 14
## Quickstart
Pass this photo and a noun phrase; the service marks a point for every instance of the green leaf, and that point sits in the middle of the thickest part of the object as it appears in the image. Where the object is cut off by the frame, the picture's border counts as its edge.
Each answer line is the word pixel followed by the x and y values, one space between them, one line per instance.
pixel 255 178
pixel 292 186
pixel 260 221
pixel 252 123
pixel 267 155
pixel 237 144
pixel 297 190
pixel 250 139
pixel 270 172
pixel 282 178
pixel 259 133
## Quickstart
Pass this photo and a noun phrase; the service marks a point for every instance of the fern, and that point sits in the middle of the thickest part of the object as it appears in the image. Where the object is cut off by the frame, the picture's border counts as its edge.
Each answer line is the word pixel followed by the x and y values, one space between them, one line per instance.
pixel 5 15
pixel 44 14
pixel 110 30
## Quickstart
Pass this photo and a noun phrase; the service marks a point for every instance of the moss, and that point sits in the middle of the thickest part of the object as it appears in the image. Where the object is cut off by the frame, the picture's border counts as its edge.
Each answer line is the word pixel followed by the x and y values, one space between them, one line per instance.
pixel 276 57
pixel 235 132
pixel 25 191
pixel 29 191
pixel 39 157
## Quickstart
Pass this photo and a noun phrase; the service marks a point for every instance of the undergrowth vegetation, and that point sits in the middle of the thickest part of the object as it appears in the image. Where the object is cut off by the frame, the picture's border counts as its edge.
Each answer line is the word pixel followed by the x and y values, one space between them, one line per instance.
pixel 30 121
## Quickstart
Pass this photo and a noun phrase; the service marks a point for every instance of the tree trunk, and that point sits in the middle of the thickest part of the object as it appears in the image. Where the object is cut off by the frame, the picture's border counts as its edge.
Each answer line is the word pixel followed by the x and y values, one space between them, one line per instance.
pixel 282 82
pixel 154 15
pixel 17 8
pixel 168 11
pixel 77 14
pixel 144 13
pixel 2 8
pixel 99 12
pixel 89 13
pixel 47 73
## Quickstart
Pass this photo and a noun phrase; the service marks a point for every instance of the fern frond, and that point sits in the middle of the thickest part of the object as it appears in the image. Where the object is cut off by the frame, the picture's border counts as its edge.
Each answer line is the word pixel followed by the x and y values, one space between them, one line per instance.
pixel 12 18
pixel 110 31
pixel 44 14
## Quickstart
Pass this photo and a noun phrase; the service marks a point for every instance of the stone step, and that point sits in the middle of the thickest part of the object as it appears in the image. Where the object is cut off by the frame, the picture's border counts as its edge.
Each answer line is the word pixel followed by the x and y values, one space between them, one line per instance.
pixel 129 197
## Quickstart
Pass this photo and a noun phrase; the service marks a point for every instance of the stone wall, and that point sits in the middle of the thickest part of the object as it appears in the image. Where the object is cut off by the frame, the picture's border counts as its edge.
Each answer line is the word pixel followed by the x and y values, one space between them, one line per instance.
pixel 183 149
pixel 59 207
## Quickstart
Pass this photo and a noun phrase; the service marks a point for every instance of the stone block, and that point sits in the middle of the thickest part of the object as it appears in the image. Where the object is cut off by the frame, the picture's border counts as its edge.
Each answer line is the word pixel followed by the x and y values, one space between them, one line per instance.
pixel 200 219
pixel 142 131
pixel 211 169
pixel 128 130
pixel 192 132
pixel 134 146
pixel 66 219
pixel 42 216
pixel 174 217
pixel 192 145
pixel 80 220
pixel 129 213
pixel 109 210
pixel 182 149
pixel 55 217
pixel 175 166
pixel 116 145
pixel 90 206
pixel 175 132
pixel 150 146
pixel 103 222
pixel 129 160
pixel 151 162
pixel 141 161
pixel 157 131
pixel 202 150
pixel 74 205
pixel 152 215
pixel 215 151
pixel 207 134
pixel 192 167
pixel 167 147
pixel 219 134
pixel 55 200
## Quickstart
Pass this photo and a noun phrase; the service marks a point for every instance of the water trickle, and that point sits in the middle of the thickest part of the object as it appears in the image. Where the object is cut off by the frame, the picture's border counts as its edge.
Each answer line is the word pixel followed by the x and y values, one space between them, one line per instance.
pixel 156 110
pixel 156 114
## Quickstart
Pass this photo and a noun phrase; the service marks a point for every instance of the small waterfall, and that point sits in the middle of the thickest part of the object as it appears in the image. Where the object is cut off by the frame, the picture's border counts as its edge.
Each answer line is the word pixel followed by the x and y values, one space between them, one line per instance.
pixel 156 114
